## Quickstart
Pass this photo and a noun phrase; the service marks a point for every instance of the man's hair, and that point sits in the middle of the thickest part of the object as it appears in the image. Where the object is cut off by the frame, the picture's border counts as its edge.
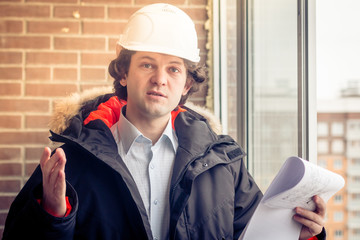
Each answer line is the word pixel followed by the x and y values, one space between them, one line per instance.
pixel 119 68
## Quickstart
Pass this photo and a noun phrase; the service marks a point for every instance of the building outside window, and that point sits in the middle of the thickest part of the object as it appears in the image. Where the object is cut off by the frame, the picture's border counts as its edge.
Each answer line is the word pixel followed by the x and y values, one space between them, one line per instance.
pixel 263 75
pixel 337 146
pixel 337 129
pixel 338 164
pixel 338 88
pixel 338 216
pixel 339 234
pixel 323 146
pixel 323 129
pixel 338 199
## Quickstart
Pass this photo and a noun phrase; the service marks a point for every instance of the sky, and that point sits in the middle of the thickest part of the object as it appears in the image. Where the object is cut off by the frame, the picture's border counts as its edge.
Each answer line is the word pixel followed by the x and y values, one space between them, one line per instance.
pixel 337 46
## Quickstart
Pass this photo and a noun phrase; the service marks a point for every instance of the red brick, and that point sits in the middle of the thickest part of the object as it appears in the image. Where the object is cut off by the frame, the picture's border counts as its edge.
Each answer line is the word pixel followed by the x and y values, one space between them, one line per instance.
pixel 10 89
pixel 24 11
pixel 10 153
pixel 196 14
pixel 5 202
pixel 83 11
pixel 121 12
pixel 33 153
pixel 40 73
pixel 25 42
pixel 86 86
pixel 37 121
pixel 107 1
pixel 173 2
pixel 97 58
pixel 9 186
pixel 51 58
pixel 50 90
pixel 80 43
pixel 65 74
pixel 53 1
pixel 10 73
pixel 24 105
pixel 107 28
pixel 10 169
pixel 2 220
pixel 10 121
pixel 202 45
pixel 201 32
pixel 112 42
pixel 30 168
pixel 11 27
pixel 17 137
pixel 11 57
pixel 198 2
pixel 53 27
pixel 93 74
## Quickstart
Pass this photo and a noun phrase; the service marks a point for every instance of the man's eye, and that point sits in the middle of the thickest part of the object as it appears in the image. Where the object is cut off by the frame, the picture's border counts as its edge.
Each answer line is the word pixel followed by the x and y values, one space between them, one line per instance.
pixel 174 70
pixel 147 65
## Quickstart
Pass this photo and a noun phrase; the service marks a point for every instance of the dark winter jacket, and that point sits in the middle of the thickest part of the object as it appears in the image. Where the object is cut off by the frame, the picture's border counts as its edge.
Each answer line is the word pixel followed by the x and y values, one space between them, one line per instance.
pixel 212 196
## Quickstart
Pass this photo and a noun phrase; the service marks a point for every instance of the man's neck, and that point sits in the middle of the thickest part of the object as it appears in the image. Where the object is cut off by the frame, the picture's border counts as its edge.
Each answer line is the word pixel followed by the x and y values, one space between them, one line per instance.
pixel 150 128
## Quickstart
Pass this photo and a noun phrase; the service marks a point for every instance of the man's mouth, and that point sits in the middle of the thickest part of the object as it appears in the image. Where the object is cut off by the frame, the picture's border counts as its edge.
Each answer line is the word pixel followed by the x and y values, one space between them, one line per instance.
pixel 155 93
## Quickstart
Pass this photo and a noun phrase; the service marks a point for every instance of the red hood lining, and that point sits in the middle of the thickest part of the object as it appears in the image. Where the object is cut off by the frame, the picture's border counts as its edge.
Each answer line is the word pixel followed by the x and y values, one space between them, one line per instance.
pixel 109 112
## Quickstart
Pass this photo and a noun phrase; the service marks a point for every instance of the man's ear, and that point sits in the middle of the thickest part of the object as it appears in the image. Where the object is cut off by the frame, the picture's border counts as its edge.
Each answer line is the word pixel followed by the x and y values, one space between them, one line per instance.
pixel 187 87
pixel 123 81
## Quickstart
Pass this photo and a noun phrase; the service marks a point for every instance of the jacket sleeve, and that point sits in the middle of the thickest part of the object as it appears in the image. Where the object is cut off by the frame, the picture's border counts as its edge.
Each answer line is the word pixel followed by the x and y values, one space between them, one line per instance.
pixel 247 197
pixel 320 236
pixel 27 219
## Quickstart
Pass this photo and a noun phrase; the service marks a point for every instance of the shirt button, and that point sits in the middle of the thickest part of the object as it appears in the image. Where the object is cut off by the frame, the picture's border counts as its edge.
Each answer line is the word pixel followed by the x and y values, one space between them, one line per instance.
pixel 152 166
pixel 155 238
pixel 156 202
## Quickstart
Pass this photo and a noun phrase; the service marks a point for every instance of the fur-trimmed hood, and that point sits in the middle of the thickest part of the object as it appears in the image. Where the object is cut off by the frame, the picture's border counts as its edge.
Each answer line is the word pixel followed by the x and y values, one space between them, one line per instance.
pixel 69 107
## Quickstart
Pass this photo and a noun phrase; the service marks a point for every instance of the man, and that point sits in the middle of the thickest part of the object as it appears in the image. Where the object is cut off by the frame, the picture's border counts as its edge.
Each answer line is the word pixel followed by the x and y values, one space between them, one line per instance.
pixel 138 164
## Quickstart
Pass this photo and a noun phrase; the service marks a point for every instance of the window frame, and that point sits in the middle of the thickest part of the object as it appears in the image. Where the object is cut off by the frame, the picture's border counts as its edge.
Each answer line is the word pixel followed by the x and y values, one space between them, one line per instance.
pixel 306 77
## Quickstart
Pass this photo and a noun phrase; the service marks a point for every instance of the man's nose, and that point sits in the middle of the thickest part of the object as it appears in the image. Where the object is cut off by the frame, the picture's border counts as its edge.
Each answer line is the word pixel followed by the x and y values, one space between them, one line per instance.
pixel 160 77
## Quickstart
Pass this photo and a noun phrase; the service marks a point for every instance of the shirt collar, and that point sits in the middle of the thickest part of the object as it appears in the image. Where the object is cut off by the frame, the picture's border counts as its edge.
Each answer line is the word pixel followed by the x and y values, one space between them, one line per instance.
pixel 126 128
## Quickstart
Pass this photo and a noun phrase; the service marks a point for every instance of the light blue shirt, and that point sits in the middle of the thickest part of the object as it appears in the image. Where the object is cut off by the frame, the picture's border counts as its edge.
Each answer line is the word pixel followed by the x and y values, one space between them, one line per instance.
pixel 151 168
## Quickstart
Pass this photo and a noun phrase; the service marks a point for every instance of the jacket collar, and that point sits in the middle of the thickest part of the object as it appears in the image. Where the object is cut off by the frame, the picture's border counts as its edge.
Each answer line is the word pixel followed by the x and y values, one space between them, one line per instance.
pixel 125 128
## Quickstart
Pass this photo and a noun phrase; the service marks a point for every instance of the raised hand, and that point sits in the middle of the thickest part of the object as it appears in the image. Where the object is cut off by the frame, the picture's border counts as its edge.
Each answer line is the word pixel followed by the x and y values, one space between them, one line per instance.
pixel 54 186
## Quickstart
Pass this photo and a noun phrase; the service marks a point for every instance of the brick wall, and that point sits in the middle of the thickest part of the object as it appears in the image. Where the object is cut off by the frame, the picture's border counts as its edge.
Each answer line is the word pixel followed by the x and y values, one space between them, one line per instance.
pixel 49 49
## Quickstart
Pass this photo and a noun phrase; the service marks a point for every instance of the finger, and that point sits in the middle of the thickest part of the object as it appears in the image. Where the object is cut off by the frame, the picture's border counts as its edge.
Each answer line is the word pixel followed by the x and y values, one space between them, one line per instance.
pixel 45 156
pixel 309 215
pixel 320 205
pixel 312 226
pixel 51 163
pixel 60 187
pixel 58 169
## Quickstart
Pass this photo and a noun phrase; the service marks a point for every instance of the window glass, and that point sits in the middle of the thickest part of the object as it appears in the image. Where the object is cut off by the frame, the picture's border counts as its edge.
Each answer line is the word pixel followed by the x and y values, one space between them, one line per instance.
pixel 322 163
pixel 338 216
pixel 337 146
pixel 323 129
pixel 323 146
pixel 338 198
pixel 337 129
pixel 338 233
pixel 338 164
pixel 338 102
pixel 272 67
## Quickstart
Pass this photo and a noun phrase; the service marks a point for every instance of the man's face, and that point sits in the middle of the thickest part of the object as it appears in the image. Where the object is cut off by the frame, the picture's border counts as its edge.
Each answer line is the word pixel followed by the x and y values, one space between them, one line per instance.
pixel 155 83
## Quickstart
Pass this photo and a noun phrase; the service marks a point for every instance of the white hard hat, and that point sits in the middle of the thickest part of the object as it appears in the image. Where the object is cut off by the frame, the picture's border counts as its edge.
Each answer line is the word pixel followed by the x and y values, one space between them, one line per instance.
pixel 161 28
